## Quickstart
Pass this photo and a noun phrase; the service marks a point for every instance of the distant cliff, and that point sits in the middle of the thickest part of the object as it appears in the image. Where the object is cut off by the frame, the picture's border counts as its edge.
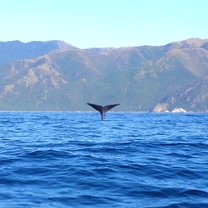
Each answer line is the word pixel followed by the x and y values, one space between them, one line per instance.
pixel 54 75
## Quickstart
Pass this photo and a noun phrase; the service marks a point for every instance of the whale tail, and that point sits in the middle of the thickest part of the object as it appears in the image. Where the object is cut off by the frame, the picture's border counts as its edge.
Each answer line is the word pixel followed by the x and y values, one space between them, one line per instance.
pixel 102 109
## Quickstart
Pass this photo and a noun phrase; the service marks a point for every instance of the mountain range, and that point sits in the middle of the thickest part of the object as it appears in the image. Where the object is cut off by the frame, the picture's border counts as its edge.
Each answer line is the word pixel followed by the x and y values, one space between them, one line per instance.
pixel 56 76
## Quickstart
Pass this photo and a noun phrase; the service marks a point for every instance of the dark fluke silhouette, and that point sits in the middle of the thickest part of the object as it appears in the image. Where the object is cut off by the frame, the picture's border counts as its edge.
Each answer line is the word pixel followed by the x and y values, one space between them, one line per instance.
pixel 102 109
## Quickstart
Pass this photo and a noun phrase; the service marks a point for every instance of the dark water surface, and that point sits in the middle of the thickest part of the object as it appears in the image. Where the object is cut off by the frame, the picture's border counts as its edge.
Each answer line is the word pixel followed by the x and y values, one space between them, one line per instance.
pixel 130 160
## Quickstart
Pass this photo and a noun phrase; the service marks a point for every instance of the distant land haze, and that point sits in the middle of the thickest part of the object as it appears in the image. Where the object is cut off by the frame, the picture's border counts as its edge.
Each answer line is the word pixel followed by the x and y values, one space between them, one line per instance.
pixel 56 76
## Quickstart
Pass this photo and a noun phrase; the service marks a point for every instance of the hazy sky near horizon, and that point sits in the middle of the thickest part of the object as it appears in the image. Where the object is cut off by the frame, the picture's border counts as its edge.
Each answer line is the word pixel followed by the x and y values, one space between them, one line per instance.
pixel 103 23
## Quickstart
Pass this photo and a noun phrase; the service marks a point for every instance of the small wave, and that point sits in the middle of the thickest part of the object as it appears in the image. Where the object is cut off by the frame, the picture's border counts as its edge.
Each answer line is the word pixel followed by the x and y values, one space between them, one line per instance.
pixel 48 154
pixel 182 205
pixel 195 192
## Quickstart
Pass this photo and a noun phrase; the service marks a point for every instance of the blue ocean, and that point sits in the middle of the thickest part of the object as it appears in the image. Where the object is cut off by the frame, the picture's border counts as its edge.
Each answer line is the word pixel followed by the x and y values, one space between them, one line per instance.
pixel 136 160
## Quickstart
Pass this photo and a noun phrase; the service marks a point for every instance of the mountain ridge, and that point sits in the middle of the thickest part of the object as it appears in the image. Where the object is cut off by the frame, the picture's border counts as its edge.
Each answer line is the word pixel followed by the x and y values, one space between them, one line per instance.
pixel 16 50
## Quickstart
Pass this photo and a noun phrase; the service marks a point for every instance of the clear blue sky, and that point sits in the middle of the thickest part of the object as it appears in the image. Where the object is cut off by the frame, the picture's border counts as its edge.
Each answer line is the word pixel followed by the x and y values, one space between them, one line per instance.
pixel 103 23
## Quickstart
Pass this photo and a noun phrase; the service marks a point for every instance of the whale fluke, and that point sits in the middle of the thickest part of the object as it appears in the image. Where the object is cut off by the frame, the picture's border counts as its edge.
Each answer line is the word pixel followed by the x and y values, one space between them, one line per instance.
pixel 102 109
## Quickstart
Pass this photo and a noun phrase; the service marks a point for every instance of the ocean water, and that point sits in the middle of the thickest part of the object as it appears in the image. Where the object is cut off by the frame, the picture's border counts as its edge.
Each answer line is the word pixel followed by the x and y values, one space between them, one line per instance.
pixel 144 160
